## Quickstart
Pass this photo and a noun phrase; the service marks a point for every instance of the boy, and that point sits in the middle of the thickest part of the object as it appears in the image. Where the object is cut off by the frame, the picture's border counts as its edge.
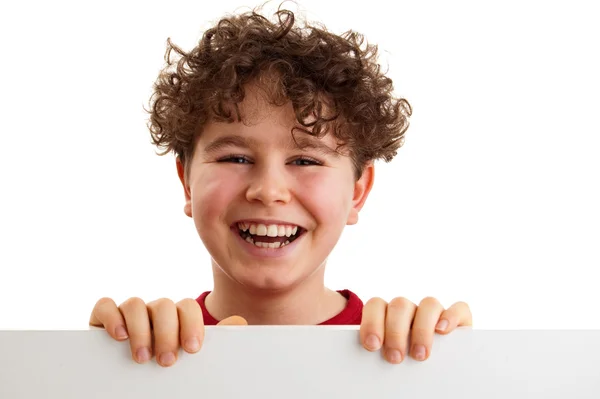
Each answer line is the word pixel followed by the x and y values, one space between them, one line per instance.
pixel 275 129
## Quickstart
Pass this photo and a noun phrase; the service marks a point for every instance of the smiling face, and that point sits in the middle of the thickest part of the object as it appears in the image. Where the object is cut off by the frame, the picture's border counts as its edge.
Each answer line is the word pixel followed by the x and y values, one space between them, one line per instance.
pixel 268 212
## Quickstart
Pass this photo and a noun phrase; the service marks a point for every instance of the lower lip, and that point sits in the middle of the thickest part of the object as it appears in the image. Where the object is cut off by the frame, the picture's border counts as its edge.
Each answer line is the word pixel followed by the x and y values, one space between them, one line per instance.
pixel 261 252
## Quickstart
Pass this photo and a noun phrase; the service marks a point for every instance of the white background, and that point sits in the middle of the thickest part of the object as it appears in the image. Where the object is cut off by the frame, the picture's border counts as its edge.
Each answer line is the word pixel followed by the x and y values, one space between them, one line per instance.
pixel 493 199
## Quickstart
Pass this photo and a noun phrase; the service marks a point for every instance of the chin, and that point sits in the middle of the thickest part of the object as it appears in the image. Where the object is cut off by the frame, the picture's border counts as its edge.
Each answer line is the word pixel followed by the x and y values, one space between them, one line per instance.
pixel 265 281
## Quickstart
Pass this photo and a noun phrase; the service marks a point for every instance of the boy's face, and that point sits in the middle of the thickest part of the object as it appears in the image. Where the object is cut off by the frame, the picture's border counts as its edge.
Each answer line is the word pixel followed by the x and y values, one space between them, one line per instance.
pixel 252 178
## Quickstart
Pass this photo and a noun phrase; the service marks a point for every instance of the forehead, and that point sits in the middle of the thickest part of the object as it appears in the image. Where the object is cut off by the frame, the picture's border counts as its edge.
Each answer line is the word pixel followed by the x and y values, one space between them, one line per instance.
pixel 263 124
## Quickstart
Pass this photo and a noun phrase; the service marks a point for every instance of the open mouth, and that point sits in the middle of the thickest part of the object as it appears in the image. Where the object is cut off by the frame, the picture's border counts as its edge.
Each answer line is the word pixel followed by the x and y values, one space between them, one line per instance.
pixel 269 236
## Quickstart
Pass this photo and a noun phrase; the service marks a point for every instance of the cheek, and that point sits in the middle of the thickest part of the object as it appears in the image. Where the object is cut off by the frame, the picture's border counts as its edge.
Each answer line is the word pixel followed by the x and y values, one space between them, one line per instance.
pixel 327 194
pixel 212 191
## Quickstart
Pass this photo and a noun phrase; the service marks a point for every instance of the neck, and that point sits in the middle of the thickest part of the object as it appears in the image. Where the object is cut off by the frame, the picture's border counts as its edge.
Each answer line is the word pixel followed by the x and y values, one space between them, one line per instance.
pixel 308 303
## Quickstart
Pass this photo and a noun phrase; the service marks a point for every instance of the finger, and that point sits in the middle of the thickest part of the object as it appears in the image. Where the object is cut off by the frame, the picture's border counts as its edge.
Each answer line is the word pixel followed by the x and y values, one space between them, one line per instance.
pixel 372 326
pixel 106 315
pixel 233 321
pixel 457 315
pixel 138 325
pixel 191 325
pixel 400 314
pixel 165 324
pixel 421 339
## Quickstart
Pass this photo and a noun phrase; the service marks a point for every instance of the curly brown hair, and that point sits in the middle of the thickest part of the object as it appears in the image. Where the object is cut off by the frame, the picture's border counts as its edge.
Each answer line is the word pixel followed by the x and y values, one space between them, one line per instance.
pixel 333 82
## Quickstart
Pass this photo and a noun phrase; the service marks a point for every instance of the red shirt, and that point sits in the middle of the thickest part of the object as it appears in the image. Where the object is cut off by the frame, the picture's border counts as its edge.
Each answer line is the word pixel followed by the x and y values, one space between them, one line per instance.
pixel 351 315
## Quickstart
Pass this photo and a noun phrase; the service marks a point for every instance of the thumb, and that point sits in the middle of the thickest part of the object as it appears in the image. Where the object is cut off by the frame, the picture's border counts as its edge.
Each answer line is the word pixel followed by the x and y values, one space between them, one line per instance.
pixel 233 321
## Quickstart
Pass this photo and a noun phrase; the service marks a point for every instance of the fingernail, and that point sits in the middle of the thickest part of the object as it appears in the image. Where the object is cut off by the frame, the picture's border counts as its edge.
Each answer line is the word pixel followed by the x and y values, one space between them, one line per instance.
pixel 419 352
pixel 121 332
pixel 372 342
pixel 143 355
pixel 167 358
pixel 192 344
pixel 394 356
pixel 442 325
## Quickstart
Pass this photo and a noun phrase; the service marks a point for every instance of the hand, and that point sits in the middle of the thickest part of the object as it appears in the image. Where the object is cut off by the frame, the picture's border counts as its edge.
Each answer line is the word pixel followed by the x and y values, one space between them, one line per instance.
pixel 162 322
pixel 390 325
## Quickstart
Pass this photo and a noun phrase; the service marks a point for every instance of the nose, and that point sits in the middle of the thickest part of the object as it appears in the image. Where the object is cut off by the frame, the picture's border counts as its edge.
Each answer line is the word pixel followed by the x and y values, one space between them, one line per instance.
pixel 269 184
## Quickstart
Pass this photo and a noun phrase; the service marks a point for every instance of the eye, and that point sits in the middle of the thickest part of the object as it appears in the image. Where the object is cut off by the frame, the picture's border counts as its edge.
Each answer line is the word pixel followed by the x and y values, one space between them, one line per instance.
pixel 305 161
pixel 242 159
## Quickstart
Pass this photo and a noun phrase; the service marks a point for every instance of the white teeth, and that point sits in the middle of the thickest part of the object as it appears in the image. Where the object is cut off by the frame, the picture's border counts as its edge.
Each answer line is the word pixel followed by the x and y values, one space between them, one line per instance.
pixel 261 230
pixel 272 230
pixel 272 245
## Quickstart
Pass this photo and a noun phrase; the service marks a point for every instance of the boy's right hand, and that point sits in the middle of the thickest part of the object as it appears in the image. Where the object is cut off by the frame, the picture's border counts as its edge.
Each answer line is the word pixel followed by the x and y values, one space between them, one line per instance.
pixel 159 327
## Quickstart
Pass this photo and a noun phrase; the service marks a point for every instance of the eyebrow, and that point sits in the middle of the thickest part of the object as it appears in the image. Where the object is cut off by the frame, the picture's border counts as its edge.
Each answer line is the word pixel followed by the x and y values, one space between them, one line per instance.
pixel 301 143
pixel 229 141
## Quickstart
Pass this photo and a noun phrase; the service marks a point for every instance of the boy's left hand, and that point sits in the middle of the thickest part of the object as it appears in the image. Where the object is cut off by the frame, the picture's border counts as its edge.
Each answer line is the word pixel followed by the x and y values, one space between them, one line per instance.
pixel 392 324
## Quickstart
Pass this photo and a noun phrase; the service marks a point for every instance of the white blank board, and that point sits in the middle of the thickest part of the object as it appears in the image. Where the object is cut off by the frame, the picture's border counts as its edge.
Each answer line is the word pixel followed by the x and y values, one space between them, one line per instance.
pixel 303 362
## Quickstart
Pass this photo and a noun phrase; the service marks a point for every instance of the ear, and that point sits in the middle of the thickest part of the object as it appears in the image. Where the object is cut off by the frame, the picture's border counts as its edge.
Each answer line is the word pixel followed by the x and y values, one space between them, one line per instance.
pixel 187 208
pixel 362 188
